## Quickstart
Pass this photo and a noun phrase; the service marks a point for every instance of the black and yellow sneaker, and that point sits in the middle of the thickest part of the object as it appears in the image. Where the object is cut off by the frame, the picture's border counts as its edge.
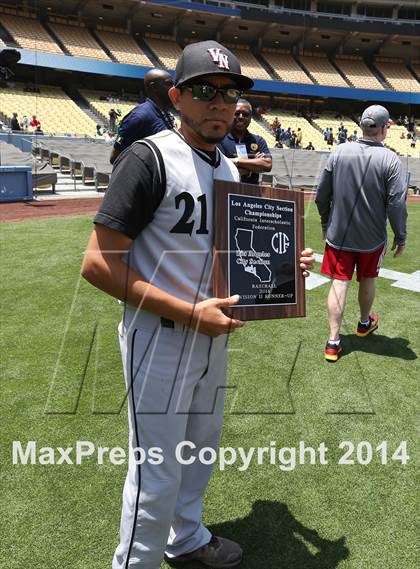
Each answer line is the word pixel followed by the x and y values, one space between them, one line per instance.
pixel 371 326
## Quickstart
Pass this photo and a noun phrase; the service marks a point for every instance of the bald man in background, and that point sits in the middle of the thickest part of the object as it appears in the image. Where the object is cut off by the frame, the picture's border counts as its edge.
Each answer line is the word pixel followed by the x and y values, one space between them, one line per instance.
pixel 149 117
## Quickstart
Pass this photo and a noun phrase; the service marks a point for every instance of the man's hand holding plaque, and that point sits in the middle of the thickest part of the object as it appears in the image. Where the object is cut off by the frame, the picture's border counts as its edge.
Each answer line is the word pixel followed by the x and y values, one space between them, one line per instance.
pixel 258 250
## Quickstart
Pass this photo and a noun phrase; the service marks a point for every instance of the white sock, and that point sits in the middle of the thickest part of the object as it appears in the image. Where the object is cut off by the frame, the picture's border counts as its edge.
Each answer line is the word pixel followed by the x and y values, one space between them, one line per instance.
pixel 365 322
pixel 334 342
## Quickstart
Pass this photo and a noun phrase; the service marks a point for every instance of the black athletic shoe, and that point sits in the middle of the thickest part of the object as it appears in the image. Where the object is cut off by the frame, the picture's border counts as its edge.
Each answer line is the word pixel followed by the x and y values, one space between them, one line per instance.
pixel 217 554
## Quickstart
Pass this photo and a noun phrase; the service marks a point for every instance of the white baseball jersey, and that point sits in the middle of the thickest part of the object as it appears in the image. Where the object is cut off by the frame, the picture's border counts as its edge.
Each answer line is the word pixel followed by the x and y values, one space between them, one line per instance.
pixel 172 247
pixel 174 251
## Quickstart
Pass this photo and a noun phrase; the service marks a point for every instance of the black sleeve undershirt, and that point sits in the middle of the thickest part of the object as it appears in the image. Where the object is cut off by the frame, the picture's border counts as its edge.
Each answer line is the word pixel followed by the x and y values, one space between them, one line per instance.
pixel 135 191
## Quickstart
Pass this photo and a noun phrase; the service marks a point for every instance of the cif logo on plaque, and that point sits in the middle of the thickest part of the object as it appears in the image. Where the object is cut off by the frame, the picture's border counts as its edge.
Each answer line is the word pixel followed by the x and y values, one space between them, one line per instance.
pixel 280 243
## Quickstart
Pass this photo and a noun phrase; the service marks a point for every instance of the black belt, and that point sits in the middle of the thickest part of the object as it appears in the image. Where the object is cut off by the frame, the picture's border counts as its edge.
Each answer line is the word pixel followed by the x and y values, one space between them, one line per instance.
pixel 166 323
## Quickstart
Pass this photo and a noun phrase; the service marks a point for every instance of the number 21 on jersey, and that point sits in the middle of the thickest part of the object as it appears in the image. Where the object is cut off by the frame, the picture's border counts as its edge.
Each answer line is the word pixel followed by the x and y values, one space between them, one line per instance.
pixel 186 223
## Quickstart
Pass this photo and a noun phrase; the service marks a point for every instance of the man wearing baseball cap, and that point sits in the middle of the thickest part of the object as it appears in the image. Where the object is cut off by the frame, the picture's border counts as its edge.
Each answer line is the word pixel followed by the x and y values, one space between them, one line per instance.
pixel 151 248
pixel 361 187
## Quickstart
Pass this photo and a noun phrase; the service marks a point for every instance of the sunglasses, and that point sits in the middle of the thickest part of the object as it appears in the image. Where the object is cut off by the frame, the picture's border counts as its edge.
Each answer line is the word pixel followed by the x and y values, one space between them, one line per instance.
pixel 208 93
pixel 245 114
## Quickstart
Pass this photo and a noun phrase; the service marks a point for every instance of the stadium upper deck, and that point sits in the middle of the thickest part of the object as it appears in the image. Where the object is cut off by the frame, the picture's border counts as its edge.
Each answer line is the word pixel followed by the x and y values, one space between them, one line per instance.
pixel 366 51
pixel 302 52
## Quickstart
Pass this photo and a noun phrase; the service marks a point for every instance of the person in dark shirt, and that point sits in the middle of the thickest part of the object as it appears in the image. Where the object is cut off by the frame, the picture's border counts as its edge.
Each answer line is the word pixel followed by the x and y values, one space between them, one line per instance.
pixel 342 136
pixel 299 135
pixel 249 151
pixel 14 123
pixel 288 136
pixel 113 117
pixel 149 117
pixel 310 146
pixel 330 137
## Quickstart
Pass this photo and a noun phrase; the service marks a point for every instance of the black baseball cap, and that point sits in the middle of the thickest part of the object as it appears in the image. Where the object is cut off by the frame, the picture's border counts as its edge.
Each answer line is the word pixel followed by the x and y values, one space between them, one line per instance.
pixel 209 58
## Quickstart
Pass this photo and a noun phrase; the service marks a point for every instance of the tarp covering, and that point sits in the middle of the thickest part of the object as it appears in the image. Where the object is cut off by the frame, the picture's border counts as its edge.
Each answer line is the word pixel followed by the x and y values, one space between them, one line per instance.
pixel 303 168
pixel 42 173
pixel 90 156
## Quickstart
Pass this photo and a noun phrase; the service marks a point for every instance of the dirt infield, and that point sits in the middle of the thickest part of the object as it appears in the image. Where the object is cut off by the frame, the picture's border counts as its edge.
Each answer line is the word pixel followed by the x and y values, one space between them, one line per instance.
pixel 47 208
pixel 22 211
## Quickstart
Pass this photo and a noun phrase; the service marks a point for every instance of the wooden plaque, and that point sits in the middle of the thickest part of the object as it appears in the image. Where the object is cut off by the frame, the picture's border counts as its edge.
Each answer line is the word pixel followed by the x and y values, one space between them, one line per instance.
pixel 258 238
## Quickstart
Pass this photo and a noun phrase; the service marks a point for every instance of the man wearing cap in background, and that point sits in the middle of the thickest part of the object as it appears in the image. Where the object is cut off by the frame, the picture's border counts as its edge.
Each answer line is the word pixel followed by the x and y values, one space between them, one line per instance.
pixel 362 185
pixel 149 117
pixel 151 248
pixel 249 152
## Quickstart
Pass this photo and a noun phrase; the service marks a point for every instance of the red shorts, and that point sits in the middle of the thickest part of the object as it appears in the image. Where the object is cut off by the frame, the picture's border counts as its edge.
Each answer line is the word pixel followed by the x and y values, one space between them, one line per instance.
pixel 340 264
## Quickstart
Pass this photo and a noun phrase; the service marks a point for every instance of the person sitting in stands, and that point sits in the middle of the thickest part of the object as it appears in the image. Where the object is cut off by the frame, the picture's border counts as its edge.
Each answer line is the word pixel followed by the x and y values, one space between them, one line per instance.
pixel 310 146
pixel 34 122
pixel 24 123
pixel 109 137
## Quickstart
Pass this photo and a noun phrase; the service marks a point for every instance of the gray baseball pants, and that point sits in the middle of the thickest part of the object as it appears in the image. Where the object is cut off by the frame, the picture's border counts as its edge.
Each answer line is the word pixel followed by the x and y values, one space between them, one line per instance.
pixel 175 384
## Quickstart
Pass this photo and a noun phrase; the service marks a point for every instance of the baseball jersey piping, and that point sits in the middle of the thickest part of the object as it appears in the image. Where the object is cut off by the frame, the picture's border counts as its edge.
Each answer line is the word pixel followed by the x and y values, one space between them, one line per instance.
pixel 136 429
pixel 137 444
pixel 160 164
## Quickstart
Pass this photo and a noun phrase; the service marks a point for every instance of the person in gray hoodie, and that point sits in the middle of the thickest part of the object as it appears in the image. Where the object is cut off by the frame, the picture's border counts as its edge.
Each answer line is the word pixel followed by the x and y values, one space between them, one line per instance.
pixel 361 187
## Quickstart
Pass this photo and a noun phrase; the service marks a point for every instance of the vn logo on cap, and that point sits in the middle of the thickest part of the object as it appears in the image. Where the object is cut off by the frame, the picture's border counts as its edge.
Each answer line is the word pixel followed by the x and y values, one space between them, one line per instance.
pixel 219 58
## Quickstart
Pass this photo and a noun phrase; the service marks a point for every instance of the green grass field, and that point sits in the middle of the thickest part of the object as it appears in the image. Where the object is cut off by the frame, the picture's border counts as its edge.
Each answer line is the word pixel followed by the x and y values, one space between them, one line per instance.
pixel 62 382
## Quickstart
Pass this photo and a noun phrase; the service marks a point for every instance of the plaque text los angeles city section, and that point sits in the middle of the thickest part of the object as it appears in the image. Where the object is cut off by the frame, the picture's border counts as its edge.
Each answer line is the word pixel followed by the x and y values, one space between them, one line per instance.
pixel 258 238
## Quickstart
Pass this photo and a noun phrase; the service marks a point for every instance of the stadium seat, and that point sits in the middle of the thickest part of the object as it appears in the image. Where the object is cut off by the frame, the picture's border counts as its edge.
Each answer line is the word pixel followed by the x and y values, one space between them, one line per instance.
pixel 260 129
pixel 393 139
pixel 98 101
pixel 327 120
pixel 286 67
pixel 290 119
pixel 357 72
pixel 78 41
pixel 401 145
pixel 124 48
pixel 28 33
pixel 322 71
pixel 397 75
pixel 249 63
pixel 57 113
pixel 415 64
pixel 165 48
